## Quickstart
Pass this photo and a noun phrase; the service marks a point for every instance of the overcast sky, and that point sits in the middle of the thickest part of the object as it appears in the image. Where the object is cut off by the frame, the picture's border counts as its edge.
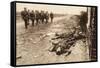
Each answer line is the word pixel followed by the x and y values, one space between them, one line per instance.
pixel 51 8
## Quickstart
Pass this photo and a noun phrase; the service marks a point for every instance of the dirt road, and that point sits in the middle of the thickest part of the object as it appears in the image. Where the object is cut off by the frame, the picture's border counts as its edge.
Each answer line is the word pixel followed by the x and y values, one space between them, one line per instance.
pixel 33 44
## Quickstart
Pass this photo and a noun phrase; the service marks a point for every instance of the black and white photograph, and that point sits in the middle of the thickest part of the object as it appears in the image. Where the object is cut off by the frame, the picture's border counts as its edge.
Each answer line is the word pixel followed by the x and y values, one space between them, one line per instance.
pixel 50 33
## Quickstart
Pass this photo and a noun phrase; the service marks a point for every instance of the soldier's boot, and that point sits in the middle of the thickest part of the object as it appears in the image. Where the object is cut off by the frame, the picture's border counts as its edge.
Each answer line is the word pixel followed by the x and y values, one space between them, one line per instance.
pixel 32 22
pixel 37 22
pixel 42 21
pixel 25 25
pixel 46 21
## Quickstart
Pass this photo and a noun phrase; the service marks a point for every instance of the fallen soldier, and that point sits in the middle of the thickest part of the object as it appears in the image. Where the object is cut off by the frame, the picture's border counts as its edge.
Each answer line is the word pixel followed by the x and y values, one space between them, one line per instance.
pixel 63 42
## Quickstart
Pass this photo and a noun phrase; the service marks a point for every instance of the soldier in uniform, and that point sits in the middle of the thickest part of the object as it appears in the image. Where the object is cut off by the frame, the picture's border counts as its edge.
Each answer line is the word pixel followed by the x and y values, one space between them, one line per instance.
pixel 37 16
pixel 25 16
pixel 32 17
pixel 42 16
pixel 83 21
pixel 28 16
pixel 47 16
pixel 51 16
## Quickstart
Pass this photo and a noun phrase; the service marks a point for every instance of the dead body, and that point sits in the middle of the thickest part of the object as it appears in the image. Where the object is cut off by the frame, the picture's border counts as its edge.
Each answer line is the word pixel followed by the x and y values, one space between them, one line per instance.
pixel 65 42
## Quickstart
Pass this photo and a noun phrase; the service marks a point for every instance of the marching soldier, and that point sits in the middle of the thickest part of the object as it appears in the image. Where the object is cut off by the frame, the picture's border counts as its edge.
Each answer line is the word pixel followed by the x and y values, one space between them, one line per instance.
pixel 32 17
pixel 28 16
pixel 47 16
pixel 51 16
pixel 42 16
pixel 37 16
pixel 25 15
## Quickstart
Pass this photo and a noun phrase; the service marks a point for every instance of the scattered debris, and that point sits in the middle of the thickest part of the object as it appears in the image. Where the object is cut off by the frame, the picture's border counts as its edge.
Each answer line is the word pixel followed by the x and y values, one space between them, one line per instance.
pixel 18 57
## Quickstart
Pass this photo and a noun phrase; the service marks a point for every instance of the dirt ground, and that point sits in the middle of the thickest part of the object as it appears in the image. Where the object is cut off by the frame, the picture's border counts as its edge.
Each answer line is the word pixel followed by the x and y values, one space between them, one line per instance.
pixel 34 43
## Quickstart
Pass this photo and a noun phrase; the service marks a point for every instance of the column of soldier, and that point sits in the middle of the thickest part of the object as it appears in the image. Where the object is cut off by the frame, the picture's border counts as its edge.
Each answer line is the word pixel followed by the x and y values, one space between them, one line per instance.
pixel 36 17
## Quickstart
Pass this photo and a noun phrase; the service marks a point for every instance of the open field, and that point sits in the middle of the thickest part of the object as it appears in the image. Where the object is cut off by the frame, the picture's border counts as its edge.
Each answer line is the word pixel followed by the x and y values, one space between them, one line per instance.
pixel 33 43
